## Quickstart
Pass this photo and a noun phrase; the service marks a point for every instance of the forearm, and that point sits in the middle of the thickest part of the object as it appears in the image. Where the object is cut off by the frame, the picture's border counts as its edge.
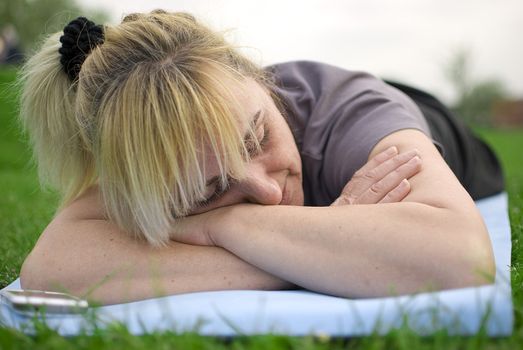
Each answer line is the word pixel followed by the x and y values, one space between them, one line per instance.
pixel 92 257
pixel 361 250
pixel 434 238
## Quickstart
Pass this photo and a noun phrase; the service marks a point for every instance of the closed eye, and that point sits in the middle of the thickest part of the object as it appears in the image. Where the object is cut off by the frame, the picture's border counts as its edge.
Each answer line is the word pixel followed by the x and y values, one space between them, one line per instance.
pixel 219 190
pixel 266 137
pixel 255 147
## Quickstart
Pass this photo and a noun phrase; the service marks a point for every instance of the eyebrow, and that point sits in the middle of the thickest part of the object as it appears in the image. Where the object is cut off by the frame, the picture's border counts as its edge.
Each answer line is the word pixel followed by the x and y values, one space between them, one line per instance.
pixel 253 122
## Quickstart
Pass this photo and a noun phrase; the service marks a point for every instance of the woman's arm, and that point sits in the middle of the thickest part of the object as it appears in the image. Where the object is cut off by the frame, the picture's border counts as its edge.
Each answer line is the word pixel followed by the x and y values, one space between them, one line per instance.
pixel 81 253
pixel 84 254
pixel 434 239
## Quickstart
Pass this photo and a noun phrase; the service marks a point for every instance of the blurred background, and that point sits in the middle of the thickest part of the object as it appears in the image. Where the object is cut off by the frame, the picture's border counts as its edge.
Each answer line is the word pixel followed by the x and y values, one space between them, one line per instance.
pixel 467 52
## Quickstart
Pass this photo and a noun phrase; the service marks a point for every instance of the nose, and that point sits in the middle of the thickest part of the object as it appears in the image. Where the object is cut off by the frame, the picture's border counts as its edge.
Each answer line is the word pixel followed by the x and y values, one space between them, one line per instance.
pixel 259 186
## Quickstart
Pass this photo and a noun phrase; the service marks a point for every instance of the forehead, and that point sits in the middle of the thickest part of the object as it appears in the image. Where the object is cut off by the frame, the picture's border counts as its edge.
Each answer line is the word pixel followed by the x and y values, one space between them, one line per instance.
pixel 248 97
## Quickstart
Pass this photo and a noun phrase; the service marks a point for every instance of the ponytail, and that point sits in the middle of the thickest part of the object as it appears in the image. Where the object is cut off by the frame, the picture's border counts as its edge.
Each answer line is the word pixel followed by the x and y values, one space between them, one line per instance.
pixel 47 106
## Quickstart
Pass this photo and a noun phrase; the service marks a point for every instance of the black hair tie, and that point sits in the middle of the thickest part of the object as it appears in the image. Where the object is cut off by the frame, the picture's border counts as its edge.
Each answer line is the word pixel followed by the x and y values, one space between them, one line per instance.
pixel 80 37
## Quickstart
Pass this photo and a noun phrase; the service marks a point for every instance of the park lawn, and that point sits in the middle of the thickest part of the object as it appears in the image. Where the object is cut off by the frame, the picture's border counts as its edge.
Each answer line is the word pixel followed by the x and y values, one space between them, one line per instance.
pixel 25 210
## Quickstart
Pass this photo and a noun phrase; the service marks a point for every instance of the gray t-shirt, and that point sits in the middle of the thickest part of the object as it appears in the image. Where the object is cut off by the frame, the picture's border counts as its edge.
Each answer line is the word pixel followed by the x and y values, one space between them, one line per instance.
pixel 337 117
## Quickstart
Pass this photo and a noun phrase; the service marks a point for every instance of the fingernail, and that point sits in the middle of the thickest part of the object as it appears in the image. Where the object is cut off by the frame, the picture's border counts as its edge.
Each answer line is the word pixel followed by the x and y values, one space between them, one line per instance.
pixel 391 150
pixel 412 153
pixel 414 160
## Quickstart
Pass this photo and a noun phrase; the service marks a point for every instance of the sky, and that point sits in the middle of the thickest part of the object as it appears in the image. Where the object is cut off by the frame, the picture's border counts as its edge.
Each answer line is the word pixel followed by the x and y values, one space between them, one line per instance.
pixel 407 40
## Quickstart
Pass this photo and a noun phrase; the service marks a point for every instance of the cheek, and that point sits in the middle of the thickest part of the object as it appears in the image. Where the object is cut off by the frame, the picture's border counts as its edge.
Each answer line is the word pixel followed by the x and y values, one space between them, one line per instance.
pixel 287 151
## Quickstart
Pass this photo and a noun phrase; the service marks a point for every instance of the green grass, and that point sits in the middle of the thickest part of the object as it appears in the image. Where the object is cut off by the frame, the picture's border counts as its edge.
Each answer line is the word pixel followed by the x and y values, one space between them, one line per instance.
pixel 25 210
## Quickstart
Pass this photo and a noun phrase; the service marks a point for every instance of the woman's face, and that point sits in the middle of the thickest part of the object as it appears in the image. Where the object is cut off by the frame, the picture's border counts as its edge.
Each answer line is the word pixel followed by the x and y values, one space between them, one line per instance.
pixel 274 175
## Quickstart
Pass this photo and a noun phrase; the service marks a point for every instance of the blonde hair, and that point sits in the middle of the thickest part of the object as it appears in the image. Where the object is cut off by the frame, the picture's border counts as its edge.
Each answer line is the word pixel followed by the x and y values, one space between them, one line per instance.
pixel 148 106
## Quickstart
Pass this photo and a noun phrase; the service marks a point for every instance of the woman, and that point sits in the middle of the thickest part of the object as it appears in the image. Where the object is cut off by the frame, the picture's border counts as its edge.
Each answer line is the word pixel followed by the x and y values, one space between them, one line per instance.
pixel 185 167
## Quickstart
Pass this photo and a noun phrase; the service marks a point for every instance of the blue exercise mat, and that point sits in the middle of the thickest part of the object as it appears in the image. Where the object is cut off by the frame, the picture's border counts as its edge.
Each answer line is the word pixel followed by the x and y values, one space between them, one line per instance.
pixel 228 313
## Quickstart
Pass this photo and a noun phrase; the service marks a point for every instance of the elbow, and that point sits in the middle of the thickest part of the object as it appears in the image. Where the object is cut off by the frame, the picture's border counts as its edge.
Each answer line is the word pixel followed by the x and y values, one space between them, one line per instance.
pixel 41 272
pixel 33 275
pixel 474 265
pixel 483 265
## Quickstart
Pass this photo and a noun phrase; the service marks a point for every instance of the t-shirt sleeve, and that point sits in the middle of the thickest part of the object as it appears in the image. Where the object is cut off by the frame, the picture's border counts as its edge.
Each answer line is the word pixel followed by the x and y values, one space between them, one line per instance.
pixel 337 117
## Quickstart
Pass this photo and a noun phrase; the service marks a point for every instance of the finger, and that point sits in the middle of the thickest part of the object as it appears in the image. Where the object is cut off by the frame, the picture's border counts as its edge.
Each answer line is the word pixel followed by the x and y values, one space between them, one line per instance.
pixel 398 193
pixel 190 230
pixel 338 201
pixel 363 179
pixel 378 190
pixel 359 181
pixel 392 164
pixel 377 160
pixel 343 199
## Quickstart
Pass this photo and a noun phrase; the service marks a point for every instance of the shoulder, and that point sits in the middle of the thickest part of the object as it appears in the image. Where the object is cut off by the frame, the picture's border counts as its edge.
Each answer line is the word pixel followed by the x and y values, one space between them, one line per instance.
pixel 312 88
pixel 313 72
pixel 305 65
pixel 327 86
pixel 300 65
pixel 329 92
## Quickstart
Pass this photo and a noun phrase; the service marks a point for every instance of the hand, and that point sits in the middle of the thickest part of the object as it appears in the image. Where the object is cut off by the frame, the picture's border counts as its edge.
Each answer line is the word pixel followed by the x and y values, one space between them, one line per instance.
pixel 198 229
pixel 383 179
pixel 191 230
